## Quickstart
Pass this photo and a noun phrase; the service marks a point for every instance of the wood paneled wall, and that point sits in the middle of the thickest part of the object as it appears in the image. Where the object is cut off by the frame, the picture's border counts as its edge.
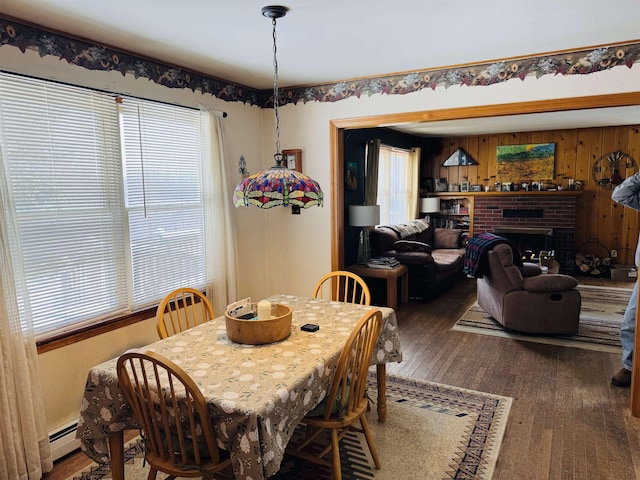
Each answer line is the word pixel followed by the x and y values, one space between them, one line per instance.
pixel 599 219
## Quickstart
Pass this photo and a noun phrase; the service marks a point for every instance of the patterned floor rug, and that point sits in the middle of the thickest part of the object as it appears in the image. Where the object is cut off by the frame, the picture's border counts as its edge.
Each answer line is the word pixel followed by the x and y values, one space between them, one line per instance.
pixel 600 318
pixel 432 432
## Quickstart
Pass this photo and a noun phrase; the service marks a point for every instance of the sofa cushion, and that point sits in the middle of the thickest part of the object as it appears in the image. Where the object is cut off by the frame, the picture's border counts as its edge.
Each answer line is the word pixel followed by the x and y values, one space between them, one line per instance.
pixel 549 283
pixel 411 228
pixel 382 240
pixel 446 238
pixel 414 258
pixel 426 236
pixel 446 260
pixel 412 246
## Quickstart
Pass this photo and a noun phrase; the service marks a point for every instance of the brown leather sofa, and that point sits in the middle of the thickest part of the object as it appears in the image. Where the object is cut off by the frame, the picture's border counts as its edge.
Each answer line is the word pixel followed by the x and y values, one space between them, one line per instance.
pixel 434 256
pixel 524 300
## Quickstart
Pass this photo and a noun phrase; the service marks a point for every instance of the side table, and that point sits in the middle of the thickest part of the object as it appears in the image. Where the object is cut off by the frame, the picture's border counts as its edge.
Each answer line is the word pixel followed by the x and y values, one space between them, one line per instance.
pixel 392 275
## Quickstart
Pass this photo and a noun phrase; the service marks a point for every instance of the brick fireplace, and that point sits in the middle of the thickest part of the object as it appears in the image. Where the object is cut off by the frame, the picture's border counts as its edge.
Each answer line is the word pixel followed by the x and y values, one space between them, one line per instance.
pixel 531 220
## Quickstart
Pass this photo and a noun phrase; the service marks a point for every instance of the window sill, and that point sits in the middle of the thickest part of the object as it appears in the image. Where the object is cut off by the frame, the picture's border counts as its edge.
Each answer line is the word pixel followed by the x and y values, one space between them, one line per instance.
pixel 82 333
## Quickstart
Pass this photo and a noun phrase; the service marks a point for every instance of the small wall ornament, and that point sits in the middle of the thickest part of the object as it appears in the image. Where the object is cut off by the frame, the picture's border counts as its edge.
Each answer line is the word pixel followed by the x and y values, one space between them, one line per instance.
pixel 242 167
pixel 608 170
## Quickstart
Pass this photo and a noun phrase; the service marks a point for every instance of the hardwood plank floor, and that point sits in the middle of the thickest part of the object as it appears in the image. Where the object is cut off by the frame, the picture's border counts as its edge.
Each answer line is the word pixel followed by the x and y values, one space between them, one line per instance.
pixel 567 421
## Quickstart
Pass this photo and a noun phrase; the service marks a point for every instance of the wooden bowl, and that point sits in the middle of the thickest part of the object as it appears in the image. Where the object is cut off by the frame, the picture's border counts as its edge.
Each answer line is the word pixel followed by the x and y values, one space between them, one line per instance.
pixel 259 332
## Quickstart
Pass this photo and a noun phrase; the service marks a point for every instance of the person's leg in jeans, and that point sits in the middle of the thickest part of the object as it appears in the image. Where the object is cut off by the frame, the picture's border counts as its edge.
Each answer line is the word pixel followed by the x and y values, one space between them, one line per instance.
pixel 627 335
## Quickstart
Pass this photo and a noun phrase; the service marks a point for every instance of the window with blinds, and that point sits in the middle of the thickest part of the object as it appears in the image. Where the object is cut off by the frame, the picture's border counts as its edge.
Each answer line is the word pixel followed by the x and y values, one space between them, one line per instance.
pixel 106 197
pixel 163 197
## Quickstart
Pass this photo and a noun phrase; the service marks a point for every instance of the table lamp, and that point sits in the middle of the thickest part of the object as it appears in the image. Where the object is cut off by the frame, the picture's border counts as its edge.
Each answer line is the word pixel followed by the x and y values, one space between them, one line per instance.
pixel 364 216
pixel 430 205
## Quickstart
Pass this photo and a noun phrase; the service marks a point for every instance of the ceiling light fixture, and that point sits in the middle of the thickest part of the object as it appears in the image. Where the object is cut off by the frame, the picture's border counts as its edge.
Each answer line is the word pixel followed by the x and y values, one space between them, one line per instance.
pixel 277 185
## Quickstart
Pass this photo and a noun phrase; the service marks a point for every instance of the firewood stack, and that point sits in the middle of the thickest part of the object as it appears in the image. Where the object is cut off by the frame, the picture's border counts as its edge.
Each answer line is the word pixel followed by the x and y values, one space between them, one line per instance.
pixel 593 265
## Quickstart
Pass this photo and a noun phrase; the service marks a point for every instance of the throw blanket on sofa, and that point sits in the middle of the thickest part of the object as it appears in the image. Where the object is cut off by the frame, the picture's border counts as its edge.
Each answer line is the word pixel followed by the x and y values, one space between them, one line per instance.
pixel 476 264
pixel 412 228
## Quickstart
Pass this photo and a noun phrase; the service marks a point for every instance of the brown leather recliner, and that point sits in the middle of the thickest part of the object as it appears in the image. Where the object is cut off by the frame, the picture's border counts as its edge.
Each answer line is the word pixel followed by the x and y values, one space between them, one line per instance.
pixel 524 300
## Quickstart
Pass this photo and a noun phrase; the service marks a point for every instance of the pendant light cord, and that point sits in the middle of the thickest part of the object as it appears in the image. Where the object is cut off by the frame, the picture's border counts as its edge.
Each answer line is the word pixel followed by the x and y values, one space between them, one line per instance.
pixel 275 93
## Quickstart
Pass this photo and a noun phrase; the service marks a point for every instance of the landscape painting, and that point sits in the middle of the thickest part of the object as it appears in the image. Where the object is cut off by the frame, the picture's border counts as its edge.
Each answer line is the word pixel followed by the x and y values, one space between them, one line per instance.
pixel 525 163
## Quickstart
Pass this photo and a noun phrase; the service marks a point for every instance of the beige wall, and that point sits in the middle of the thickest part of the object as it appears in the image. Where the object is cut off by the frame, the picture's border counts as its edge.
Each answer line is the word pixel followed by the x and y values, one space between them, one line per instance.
pixel 306 126
pixel 63 371
pixel 277 252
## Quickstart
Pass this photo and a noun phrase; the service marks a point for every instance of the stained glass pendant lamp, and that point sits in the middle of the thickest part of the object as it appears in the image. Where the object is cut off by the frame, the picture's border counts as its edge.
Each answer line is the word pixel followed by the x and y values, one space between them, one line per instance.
pixel 277 185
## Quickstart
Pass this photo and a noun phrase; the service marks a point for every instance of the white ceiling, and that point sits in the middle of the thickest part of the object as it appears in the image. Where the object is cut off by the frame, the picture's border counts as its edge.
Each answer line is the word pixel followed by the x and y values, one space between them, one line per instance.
pixel 328 40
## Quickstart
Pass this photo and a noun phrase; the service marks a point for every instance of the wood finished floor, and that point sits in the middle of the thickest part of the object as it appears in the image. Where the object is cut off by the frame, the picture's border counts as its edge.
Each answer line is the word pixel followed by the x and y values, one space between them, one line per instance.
pixel 566 422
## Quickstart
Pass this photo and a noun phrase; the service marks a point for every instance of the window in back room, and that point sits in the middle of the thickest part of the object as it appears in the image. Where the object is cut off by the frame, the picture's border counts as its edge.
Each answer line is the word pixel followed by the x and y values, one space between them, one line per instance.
pixel 397 185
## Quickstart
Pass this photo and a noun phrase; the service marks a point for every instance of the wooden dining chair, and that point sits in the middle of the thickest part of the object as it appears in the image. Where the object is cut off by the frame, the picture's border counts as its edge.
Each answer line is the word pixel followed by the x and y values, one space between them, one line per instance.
pixel 346 402
pixel 182 309
pixel 343 286
pixel 155 389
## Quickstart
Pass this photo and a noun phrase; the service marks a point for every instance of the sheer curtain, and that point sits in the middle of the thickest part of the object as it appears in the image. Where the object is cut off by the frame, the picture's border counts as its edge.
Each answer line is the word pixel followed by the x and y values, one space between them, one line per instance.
pixel 25 453
pixel 221 255
pixel 398 188
pixel 414 180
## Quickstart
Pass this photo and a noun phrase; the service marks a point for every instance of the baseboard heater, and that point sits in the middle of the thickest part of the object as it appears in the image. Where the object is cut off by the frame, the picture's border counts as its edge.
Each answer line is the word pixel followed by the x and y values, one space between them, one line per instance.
pixel 64 441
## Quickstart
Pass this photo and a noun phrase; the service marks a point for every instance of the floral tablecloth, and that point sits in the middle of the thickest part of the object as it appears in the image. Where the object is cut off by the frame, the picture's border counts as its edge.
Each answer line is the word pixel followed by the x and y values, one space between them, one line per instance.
pixel 257 394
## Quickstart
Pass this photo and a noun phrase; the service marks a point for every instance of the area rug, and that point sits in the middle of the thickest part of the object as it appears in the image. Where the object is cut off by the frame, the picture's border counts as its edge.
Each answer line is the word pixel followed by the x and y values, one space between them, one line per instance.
pixel 432 432
pixel 600 318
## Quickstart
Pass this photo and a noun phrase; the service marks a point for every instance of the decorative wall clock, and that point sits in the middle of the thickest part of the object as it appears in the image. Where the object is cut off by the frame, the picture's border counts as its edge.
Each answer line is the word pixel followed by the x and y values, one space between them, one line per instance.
pixel 609 169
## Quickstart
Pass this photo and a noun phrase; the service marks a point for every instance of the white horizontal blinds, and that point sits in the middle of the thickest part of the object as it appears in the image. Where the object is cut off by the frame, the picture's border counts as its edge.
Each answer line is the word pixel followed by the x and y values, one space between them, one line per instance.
pixel 61 153
pixel 164 197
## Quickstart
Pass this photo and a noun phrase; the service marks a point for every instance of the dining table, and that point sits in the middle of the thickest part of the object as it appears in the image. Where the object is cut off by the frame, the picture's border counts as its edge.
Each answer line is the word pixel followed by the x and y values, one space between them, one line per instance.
pixel 257 394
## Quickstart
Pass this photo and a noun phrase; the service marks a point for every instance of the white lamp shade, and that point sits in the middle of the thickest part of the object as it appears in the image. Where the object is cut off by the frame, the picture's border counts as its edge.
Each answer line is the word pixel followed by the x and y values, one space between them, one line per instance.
pixel 364 215
pixel 430 205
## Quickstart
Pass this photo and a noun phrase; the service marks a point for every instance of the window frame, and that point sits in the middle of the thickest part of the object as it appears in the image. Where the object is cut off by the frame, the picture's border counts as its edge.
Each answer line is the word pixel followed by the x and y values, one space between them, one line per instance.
pixel 73 332
pixel 389 150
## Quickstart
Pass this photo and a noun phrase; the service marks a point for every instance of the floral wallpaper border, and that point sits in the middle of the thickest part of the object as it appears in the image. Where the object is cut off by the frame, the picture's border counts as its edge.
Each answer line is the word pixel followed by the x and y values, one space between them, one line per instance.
pixel 97 57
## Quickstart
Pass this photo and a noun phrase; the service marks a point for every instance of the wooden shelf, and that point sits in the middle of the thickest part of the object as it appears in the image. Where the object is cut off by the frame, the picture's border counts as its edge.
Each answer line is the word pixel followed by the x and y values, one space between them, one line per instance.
pixel 449 216
pixel 469 199
pixel 519 193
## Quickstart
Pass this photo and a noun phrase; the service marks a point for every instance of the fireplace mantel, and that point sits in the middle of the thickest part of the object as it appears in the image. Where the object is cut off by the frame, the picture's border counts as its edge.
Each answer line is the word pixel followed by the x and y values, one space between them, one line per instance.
pixel 519 193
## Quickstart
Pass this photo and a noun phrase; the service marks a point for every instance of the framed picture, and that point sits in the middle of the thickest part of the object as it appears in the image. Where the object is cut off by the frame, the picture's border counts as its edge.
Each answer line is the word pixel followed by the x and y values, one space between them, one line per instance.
pixel 292 159
pixel 427 184
pixel 440 184
pixel 476 188
pixel 351 176
pixel 464 186
pixel 532 160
